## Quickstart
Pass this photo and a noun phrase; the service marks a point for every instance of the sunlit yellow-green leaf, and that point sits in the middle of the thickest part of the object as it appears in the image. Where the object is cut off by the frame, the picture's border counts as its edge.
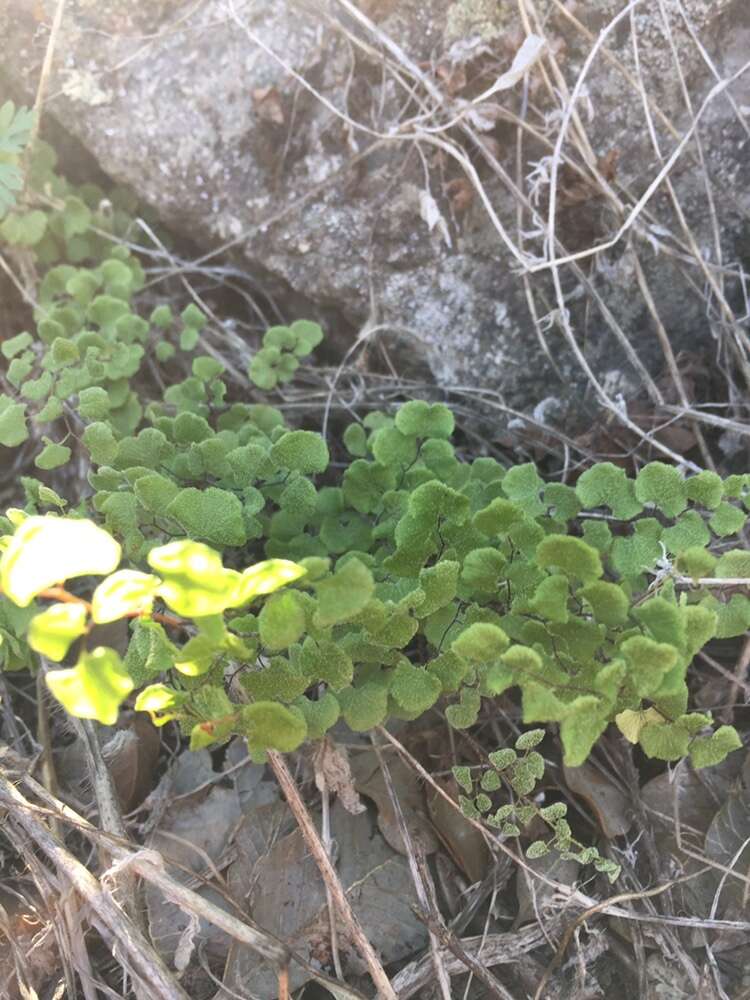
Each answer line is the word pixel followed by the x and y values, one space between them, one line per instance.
pixel 160 701
pixel 16 516
pixel 94 688
pixel 631 723
pixel 51 632
pixel 194 581
pixel 265 577
pixel 49 550
pixel 126 592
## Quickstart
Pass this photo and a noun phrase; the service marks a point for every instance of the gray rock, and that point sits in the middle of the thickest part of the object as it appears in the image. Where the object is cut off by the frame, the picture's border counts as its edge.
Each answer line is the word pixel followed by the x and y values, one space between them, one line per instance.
pixel 183 102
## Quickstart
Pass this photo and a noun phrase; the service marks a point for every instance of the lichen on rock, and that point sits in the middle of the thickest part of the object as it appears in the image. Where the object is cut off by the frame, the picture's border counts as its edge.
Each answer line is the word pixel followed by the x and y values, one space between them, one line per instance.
pixel 487 19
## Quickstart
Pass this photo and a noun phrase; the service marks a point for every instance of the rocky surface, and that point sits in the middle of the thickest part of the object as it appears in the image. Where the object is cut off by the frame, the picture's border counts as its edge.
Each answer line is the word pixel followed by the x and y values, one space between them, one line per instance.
pixel 326 197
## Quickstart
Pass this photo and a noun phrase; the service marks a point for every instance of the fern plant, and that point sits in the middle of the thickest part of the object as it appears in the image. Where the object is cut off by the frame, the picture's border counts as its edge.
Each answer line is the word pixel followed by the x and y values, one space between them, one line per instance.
pixel 426 578
pixel 517 772
pixel 415 590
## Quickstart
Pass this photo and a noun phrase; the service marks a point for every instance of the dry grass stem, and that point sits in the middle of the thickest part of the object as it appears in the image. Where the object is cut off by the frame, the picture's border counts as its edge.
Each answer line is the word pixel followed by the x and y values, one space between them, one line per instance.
pixel 328 873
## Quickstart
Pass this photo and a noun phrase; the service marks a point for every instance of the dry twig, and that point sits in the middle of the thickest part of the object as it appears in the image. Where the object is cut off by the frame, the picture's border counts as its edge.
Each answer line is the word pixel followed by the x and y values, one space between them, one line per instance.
pixel 133 950
pixel 328 873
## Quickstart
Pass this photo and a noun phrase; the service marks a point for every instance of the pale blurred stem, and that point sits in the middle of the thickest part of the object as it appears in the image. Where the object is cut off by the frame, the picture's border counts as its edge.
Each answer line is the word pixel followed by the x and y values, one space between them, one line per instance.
pixel 44 738
pixel 110 814
pixel 70 906
pixel 41 89
pixel 325 800
pixel 738 682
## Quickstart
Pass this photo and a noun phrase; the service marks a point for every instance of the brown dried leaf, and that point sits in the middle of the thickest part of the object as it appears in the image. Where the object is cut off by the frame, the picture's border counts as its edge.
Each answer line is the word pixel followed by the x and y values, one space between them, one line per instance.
pixel 667 980
pixel 461 193
pixel 194 836
pixel 604 797
pixel 377 10
pixel 131 751
pixel 577 189
pixel 261 828
pixel 250 779
pixel 534 893
pixel 168 924
pixel 34 943
pixel 132 754
pixel 288 899
pixel 453 78
pixel 462 840
pixel 369 781
pixel 194 833
pixel 678 436
pixel 486 116
pixel 608 438
pixel 728 843
pixel 267 105
pixel 491 145
pixel 694 799
pixel 332 772
pixel 607 165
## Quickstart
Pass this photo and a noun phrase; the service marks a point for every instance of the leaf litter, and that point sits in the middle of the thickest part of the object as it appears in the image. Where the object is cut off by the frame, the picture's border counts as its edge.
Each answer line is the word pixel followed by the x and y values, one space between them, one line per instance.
pixel 226 833
pixel 287 897
pixel 193 836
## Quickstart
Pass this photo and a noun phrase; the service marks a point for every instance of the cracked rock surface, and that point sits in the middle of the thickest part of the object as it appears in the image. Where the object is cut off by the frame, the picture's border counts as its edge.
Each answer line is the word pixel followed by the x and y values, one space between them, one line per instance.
pixel 206 110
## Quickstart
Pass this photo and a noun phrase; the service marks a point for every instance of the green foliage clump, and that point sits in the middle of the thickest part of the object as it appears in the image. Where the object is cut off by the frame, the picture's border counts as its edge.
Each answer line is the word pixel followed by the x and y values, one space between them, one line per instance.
pixel 410 575
pixel 515 773
pixel 420 587
pixel 278 360
pixel 194 583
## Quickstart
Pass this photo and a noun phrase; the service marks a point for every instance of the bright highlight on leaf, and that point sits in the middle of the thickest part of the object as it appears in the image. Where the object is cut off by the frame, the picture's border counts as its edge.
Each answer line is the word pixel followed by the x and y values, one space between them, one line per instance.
pixel 194 580
pixel 45 551
pixel 52 632
pixel 197 656
pixel 161 702
pixel 126 592
pixel 266 577
pixel 631 723
pixel 93 689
